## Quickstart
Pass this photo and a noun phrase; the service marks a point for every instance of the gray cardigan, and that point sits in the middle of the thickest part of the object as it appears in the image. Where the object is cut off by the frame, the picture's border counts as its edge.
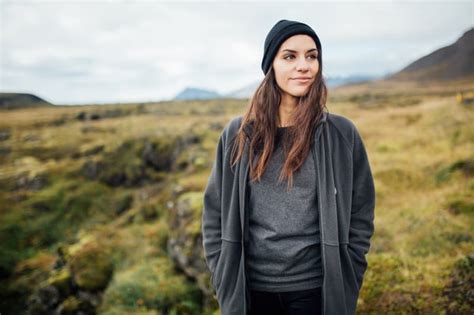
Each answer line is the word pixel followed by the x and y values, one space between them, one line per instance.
pixel 346 203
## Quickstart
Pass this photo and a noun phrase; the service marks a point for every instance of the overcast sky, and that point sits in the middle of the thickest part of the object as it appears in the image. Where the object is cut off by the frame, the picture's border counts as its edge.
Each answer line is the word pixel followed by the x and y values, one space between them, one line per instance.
pixel 77 52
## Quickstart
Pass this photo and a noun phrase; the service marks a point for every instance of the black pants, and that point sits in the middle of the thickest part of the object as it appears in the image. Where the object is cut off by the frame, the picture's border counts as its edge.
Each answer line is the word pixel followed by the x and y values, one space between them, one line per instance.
pixel 304 302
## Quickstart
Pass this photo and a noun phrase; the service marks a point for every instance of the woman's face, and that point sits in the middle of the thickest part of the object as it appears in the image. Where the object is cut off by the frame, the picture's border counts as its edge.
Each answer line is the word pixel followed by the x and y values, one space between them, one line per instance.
pixel 296 65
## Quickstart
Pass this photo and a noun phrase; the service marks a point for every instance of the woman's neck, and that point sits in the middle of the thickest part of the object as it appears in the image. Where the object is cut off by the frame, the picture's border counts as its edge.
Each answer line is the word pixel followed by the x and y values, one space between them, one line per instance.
pixel 286 110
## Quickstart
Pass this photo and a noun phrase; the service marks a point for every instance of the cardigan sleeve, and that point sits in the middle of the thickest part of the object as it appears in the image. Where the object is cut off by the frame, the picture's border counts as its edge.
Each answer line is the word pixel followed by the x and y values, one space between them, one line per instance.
pixel 362 210
pixel 211 214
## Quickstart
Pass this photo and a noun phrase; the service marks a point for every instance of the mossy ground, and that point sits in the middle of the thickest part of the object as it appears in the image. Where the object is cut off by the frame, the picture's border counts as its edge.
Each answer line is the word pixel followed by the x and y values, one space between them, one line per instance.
pixel 420 146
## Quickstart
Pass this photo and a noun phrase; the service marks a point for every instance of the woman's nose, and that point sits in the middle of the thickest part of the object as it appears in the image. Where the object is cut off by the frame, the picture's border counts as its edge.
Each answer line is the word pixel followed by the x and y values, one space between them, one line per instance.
pixel 302 64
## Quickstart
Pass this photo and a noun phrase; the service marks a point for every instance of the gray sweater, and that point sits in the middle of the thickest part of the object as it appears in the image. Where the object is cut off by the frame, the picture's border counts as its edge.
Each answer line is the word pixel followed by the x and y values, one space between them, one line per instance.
pixel 284 251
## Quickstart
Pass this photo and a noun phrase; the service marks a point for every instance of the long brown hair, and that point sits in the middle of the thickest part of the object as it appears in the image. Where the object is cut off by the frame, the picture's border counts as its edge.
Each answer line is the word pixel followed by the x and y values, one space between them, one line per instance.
pixel 261 116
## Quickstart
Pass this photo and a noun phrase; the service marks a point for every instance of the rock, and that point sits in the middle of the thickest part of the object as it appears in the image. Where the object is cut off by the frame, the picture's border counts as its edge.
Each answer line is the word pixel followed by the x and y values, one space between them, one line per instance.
pixel 91 267
pixel 149 212
pixel 61 280
pixel 61 259
pixel 185 242
pixel 5 151
pixel 95 116
pixel 35 183
pixel 81 116
pixel 49 296
pixel 458 291
pixel 69 306
pixel 158 154
pixel 124 204
pixel 89 129
pixel 91 169
pixel 95 150
pixel 92 151
pixel 4 134
pixel 41 206
pixel 34 306
pixel 84 303
pixel 108 113
pixel 88 302
pixel 31 138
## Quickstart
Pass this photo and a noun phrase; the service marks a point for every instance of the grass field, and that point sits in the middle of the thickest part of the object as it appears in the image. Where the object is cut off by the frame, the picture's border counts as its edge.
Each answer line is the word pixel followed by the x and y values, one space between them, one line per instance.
pixel 103 203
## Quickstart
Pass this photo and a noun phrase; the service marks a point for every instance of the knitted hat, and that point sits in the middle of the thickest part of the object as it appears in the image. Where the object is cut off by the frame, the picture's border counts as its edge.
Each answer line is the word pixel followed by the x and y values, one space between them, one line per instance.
pixel 279 33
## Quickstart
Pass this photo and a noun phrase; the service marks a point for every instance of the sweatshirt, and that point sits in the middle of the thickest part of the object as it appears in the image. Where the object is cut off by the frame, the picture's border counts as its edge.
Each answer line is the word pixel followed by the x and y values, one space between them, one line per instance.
pixel 284 251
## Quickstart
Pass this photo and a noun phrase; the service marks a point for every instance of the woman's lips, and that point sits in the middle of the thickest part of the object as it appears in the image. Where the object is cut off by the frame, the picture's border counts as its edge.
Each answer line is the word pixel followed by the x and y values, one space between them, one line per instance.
pixel 302 80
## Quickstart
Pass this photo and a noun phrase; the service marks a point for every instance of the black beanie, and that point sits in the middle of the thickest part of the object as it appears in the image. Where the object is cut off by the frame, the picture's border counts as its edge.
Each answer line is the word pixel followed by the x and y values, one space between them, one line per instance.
pixel 279 33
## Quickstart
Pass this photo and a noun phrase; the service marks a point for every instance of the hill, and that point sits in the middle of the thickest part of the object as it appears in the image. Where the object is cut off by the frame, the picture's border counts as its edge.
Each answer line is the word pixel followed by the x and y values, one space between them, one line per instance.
pixel 196 94
pixel 21 100
pixel 455 61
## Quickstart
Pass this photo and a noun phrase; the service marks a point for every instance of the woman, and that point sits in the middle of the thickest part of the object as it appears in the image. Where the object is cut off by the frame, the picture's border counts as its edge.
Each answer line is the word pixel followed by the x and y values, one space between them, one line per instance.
pixel 289 206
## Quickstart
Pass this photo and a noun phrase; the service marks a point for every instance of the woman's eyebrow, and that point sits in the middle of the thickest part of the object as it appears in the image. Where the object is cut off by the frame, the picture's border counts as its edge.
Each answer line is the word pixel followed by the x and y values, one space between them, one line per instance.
pixel 294 51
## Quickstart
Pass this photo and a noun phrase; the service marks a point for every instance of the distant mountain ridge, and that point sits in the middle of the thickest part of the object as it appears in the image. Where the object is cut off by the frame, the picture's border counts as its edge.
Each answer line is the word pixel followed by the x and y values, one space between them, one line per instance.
pixel 196 93
pixel 455 61
pixel 247 91
pixel 21 100
pixel 451 62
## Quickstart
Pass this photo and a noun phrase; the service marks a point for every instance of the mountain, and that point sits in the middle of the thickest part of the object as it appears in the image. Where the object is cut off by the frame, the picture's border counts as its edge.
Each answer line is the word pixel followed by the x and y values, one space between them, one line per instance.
pixel 331 81
pixel 20 100
pixel 455 61
pixel 451 62
pixel 195 93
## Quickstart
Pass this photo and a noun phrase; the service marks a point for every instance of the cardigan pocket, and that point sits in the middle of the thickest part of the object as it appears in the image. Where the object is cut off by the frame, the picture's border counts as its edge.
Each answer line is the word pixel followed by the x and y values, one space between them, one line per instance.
pixel 359 264
pixel 226 263
pixel 352 270
pixel 212 261
pixel 227 278
pixel 213 273
pixel 351 285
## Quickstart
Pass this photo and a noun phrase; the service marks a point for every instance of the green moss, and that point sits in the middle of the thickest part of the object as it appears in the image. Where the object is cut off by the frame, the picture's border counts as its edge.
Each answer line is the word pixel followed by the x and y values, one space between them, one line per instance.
pixel 459 287
pixel 460 205
pixel 140 160
pixel 463 166
pixel 91 266
pixel 386 288
pixel 193 203
pixel 70 305
pixel 124 202
pixel 59 211
pixel 161 235
pixel 61 280
pixel 151 285
pixel 193 199
pixel 385 273
pixel 124 166
pixel 150 212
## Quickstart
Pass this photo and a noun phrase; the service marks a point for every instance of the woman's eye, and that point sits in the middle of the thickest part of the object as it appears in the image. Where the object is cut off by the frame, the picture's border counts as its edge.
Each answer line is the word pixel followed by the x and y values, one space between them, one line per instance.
pixel 311 56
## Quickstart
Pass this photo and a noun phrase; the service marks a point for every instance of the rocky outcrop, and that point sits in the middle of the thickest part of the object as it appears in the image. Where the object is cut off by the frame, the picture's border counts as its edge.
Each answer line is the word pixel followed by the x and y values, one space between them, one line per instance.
pixel 184 245
pixel 140 161
pixel 75 286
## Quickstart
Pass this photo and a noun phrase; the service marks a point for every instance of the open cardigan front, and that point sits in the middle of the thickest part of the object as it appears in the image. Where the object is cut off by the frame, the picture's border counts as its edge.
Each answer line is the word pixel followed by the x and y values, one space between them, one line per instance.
pixel 345 203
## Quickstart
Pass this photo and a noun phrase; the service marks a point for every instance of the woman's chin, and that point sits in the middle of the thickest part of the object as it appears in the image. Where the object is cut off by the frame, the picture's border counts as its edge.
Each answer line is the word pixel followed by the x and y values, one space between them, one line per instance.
pixel 299 93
